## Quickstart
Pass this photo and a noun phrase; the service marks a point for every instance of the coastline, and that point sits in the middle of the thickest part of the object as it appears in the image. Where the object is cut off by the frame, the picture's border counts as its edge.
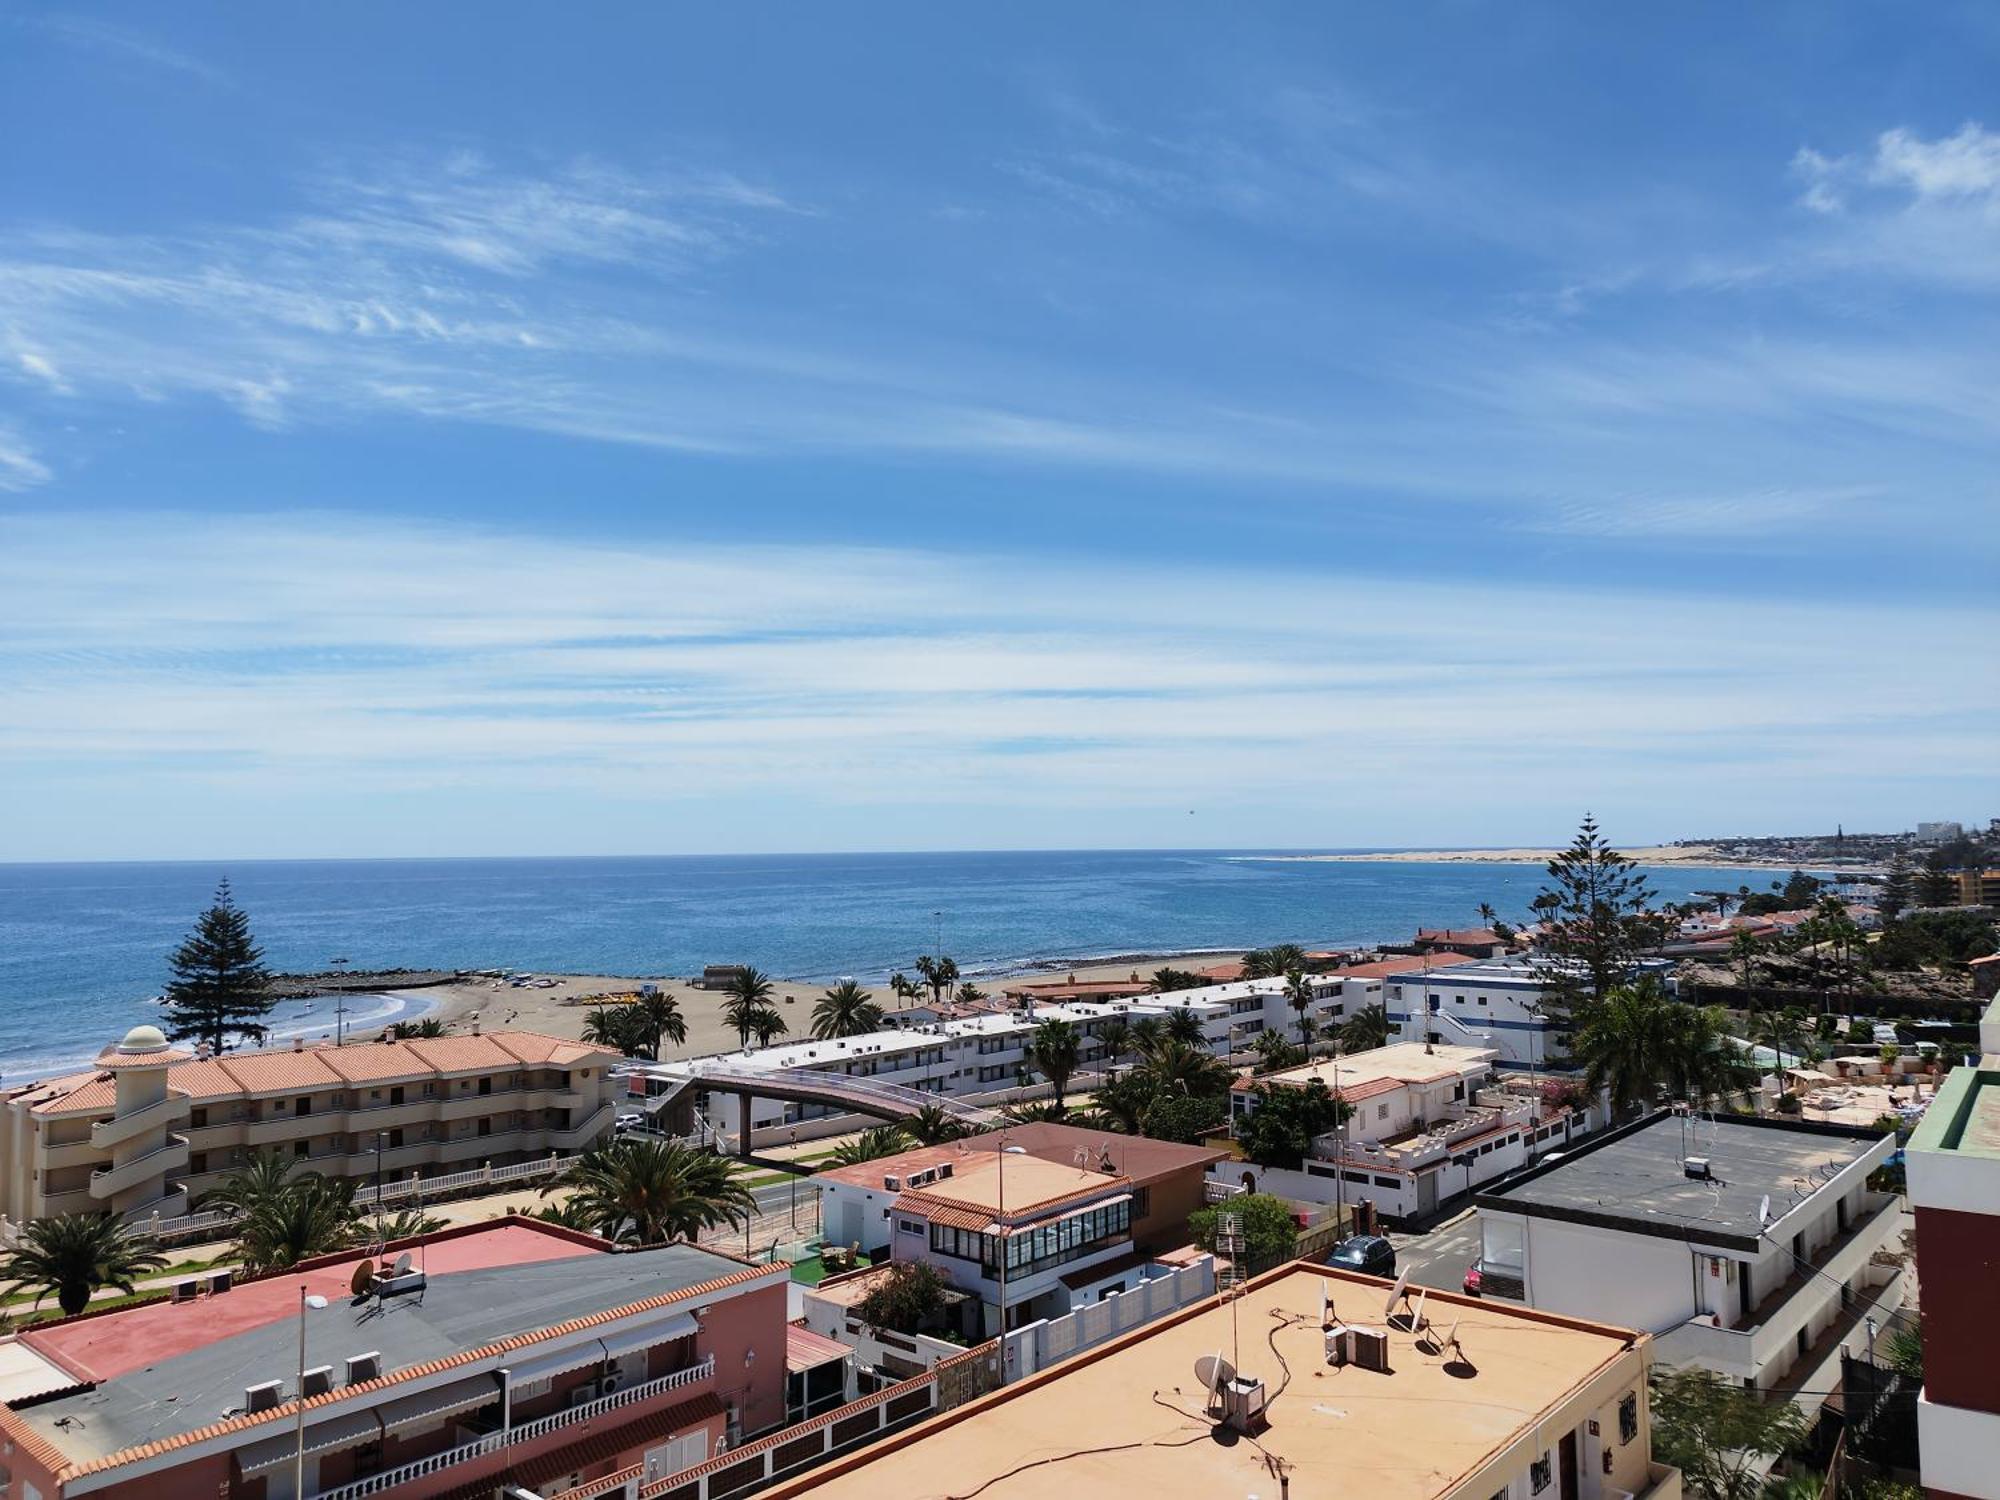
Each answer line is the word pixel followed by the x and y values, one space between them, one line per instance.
pixel 1667 854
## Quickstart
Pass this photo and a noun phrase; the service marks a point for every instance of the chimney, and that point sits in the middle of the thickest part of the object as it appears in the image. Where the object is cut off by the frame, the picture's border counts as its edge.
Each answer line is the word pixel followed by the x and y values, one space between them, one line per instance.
pixel 475 1026
pixel 298 1044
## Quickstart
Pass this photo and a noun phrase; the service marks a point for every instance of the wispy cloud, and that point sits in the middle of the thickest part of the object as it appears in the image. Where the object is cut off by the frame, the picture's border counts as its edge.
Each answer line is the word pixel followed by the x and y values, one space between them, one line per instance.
pixel 214 653
pixel 19 468
pixel 108 38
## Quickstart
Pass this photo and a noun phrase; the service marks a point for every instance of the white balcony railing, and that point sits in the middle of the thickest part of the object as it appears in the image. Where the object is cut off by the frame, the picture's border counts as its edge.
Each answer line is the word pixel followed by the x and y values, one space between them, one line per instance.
pixel 172 1110
pixel 106 1182
pixel 520 1432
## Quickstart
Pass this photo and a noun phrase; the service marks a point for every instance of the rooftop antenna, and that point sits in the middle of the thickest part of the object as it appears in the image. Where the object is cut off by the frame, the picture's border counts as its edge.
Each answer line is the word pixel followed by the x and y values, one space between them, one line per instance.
pixel 1229 1240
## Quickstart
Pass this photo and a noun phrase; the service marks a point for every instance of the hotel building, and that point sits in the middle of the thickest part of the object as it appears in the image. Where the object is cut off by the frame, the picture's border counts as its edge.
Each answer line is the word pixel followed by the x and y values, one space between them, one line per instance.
pixel 152 1126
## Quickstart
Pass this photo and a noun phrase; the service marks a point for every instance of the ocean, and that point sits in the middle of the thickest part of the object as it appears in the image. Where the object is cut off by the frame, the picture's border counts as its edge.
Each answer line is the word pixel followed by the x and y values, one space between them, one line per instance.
pixel 84 946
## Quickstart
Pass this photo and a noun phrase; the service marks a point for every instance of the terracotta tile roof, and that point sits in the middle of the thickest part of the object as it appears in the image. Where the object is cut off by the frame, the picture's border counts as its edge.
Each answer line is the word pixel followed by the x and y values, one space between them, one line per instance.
pixel 283 1070
pixel 1384 966
pixel 940 1213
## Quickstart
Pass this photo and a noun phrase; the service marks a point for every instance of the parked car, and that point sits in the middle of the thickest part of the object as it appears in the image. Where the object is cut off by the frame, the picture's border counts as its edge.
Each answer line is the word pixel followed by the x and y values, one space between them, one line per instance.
pixel 1475 1276
pixel 1369 1254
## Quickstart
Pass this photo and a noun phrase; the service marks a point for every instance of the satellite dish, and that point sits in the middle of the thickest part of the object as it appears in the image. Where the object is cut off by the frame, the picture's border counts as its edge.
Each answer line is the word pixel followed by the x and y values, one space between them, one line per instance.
pixel 1396 1292
pixel 1417 1316
pixel 402 1264
pixel 1214 1372
pixel 362 1279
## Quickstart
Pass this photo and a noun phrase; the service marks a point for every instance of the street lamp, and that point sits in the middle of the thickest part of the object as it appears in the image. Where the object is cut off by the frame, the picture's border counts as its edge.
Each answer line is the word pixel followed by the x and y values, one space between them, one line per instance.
pixel 316 1303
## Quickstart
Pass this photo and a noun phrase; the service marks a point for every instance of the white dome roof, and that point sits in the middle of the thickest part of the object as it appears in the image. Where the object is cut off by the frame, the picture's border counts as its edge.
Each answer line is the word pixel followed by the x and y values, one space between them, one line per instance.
pixel 144 1039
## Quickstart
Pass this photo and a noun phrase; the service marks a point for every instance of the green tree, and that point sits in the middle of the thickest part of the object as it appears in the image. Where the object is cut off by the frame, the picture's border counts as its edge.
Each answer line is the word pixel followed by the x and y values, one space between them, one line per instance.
pixel 870 1145
pixel 1299 995
pixel 1114 1038
pixel 1270 1234
pixel 1177 1115
pixel 1365 1030
pixel 1175 1064
pixel 1800 891
pixel 220 986
pixel 1721 1437
pixel 75 1255
pixel 413 1031
pixel 1595 903
pixel 1275 1054
pixel 933 1126
pixel 1745 952
pixel 1935 887
pixel 845 1010
pixel 640 1192
pixel 1893 899
pixel 767 1023
pixel 1183 1025
pixel 1280 1131
pixel 312 1215
pixel 1055 1049
pixel 909 1298
pixel 749 992
pixel 663 1020
pixel 1165 981
pixel 1903 1351
pixel 1273 963
pixel 1123 1102
pixel 618 1026
pixel 1635 1042
pixel 901 987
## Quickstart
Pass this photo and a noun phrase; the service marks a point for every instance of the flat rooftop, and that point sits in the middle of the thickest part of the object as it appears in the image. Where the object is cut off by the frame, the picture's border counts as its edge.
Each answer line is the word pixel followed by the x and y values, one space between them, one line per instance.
pixel 162 1370
pixel 1127 1418
pixel 1965 1115
pixel 1138 1157
pixel 1633 1178
pixel 1401 1062
pixel 996 1184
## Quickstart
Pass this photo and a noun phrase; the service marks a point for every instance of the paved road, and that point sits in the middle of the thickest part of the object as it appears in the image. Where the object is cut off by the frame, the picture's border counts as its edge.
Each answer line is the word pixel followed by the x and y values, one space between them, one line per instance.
pixel 1439 1259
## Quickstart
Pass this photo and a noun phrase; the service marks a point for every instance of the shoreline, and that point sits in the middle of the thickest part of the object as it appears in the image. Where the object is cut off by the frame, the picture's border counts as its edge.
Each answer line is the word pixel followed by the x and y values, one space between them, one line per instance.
pixel 1699 855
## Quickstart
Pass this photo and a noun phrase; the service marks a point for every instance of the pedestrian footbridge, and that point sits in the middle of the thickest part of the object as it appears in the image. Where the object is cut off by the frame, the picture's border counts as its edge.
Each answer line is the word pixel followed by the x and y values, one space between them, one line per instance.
pixel 750 1080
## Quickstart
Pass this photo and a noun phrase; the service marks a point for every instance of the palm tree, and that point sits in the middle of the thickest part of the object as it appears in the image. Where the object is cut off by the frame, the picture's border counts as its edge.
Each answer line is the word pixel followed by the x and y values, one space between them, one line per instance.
pixel 901 988
pixel 73 1256
pixel 612 1026
pixel 268 1175
pixel 927 970
pixel 1366 1029
pixel 1299 995
pixel 1183 1025
pixel 1273 963
pixel 408 1224
pixel 871 1145
pixel 932 1126
pixel 845 1010
pixel 1744 952
pixel 1779 1030
pixel 404 1031
pixel 1277 1053
pixel 970 993
pixel 1175 1064
pixel 1487 915
pixel 767 1023
pixel 1123 1102
pixel 1055 1050
pixel 1030 1111
pixel 947 972
pixel 749 992
pixel 1634 1042
pixel 663 1020
pixel 311 1216
pixel 1147 1033
pixel 639 1192
pixel 1115 1038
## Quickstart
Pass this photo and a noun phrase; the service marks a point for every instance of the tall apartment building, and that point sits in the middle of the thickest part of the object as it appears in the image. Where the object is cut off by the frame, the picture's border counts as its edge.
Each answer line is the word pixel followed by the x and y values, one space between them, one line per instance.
pixel 1954 1185
pixel 152 1126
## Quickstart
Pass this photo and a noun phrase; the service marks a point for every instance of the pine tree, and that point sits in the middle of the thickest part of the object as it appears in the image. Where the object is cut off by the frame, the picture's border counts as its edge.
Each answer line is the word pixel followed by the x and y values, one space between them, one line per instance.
pixel 1935 887
pixel 1595 909
pixel 220 983
pixel 1896 888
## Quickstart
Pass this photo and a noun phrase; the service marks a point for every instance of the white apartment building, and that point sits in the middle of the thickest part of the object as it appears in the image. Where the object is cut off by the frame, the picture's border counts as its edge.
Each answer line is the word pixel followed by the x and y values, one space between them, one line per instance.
pixel 152 1126
pixel 1500 1003
pixel 1738 1243
pixel 1428 1124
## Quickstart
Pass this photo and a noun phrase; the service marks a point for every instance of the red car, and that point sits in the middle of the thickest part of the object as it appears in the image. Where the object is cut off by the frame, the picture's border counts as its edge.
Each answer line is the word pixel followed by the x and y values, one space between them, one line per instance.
pixel 1474 1275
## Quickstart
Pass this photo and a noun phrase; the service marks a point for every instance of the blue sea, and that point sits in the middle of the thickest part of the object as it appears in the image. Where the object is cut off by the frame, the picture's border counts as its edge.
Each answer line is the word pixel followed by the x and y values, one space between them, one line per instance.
pixel 84 946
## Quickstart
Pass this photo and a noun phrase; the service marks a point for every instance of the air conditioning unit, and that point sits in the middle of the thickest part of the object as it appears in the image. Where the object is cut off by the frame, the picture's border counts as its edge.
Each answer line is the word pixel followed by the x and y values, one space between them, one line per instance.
pixel 892 1183
pixel 584 1393
pixel 611 1382
pixel 263 1396
pixel 1696 1168
pixel 364 1367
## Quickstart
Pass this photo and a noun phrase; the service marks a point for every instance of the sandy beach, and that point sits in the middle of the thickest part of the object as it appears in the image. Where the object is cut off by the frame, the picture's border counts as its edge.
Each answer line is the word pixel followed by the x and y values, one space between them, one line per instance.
pixel 560 1010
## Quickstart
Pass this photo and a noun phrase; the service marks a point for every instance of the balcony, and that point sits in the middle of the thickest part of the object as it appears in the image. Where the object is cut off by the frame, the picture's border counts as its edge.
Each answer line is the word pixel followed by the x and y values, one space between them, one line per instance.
pixel 1425 1146
pixel 520 1432
pixel 164 1115
pixel 1776 1320
pixel 108 1182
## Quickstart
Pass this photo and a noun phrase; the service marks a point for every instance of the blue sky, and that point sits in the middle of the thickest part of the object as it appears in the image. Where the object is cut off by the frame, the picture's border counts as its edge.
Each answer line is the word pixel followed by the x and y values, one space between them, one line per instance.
pixel 449 429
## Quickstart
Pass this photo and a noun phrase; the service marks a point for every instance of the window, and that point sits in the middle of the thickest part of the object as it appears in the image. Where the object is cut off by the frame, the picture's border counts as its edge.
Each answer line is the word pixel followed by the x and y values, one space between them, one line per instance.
pixel 1381 1111
pixel 1458 1091
pixel 1539 1474
pixel 197 1162
pixel 1389 1182
pixel 299 1148
pixel 1482 999
pixel 198 1118
pixel 1628 1418
pixel 910 1226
